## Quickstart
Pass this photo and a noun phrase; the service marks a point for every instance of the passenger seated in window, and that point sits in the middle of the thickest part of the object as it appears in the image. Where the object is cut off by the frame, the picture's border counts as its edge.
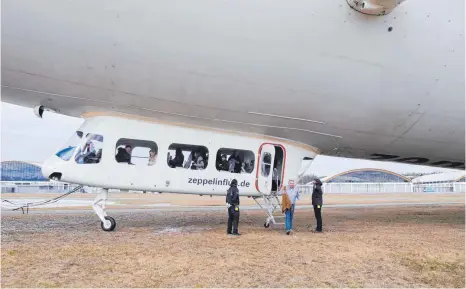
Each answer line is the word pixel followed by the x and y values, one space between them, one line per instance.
pixel 199 163
pixel 178 160
pixel 124 155
pixel 249 166
pixel 218 161
pixel 152 157
pixel 231 164
pixel 243 167
pixel 223 163
pixel 236 163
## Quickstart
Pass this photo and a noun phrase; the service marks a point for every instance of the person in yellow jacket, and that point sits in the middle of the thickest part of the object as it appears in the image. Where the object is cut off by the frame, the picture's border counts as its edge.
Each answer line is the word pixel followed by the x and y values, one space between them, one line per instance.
pixel 289 197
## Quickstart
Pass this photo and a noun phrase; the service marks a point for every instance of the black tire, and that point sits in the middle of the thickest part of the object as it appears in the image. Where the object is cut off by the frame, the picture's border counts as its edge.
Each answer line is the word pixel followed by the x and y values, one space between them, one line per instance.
pixel 112 226
pixel 266 225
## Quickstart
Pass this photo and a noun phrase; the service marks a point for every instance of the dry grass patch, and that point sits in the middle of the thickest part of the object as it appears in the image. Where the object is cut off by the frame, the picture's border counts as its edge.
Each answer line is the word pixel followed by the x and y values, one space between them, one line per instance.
pixel 436 270
pixel 404 247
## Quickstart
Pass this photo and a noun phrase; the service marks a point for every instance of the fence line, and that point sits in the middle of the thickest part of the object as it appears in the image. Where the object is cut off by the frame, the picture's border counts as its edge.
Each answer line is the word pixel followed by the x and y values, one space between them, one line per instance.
pixel 38 187
pixel 452 187
pixel 48 187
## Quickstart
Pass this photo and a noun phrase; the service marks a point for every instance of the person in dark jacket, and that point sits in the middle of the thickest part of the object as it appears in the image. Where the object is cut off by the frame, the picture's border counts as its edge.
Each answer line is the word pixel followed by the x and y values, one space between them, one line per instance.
pixel 124 155
pixel 317 203
pixel 238 163
pixel 232 201
pixel 234 162
pixel 178 160
pixel 218 161
pixel 223 164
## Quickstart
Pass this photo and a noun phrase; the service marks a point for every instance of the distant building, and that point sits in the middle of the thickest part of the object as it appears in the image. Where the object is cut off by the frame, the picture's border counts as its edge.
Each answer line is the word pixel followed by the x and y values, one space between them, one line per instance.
pixel 443 182
pixel 450 177
pixel 20 171
pixel 366 176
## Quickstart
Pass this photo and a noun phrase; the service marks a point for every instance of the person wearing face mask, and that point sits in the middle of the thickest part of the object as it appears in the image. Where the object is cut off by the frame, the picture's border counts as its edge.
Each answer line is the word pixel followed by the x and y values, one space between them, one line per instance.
pixel 317 204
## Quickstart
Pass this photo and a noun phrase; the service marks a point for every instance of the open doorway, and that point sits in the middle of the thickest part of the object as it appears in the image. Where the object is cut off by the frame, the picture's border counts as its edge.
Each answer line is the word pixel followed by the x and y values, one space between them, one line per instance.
pixel 278 168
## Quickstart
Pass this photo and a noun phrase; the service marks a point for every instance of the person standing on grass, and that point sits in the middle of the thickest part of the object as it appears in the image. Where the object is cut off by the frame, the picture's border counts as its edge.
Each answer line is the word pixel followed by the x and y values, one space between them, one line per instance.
pixel 317 203
pixel 289 198
pixel 232 201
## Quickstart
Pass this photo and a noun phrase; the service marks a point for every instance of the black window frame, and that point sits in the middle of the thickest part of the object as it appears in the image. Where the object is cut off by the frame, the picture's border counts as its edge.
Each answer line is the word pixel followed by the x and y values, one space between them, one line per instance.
pixel 134 143
pixel 190 148
pixel 243 154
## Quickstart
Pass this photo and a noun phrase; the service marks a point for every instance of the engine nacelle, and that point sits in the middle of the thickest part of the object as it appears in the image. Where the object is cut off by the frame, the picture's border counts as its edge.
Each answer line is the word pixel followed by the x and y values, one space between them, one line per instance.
pixel 39 110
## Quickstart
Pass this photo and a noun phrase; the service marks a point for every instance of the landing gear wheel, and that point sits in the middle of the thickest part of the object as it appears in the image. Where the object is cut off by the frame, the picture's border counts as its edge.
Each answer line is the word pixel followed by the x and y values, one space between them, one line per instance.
pixel 109 225
pixel 266 225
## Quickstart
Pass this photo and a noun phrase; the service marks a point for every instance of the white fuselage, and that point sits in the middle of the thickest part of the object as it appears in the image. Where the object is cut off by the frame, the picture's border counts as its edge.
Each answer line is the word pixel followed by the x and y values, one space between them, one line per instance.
pixel 160 177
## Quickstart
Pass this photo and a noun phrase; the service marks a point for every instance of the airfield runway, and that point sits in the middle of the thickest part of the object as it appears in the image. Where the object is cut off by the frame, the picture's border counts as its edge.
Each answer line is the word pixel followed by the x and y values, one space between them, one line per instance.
pixel 369 241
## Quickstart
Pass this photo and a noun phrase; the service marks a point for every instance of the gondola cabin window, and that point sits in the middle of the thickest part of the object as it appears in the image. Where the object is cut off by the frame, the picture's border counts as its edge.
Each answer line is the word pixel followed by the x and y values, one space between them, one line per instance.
pixel 90 151
pixel 136 152
pixel 186 156
pixel 235 161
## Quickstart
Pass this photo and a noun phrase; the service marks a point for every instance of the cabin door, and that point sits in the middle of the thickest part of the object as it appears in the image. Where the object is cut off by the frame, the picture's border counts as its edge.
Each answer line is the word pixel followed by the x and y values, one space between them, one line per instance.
pixel 264 171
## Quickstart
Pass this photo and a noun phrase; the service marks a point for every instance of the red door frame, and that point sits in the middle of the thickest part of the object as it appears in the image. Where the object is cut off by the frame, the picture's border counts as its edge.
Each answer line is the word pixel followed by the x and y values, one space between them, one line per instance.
pixel 259 161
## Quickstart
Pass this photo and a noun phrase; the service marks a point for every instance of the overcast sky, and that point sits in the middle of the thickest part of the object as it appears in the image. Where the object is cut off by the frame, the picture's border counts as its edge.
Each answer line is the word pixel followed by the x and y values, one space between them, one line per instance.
pixel 28 138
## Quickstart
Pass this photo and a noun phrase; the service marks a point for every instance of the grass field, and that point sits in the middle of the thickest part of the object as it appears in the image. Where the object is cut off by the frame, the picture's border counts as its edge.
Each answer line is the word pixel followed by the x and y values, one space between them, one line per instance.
pixel 366 247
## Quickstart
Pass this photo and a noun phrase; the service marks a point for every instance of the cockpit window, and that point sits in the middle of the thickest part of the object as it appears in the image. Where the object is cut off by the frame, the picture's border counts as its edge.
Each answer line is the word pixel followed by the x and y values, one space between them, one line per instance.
pixel 67 151
pixel 90 152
